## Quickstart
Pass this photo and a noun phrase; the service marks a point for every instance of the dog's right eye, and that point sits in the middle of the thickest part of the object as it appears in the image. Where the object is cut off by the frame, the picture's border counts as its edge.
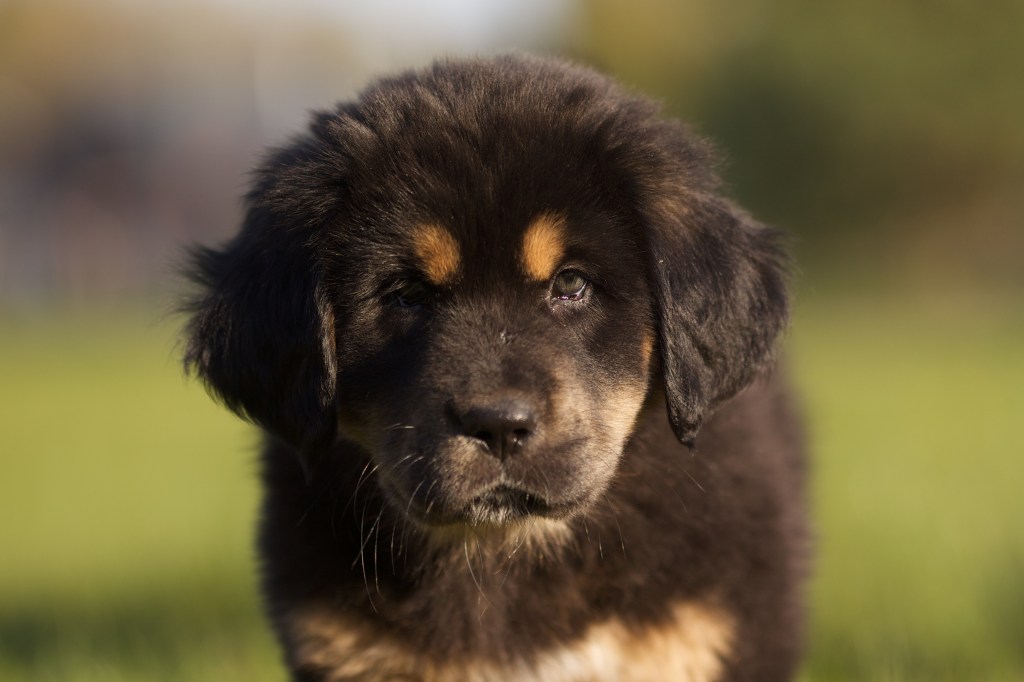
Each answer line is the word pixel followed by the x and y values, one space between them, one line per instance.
pixel 409 295
pixel 569 285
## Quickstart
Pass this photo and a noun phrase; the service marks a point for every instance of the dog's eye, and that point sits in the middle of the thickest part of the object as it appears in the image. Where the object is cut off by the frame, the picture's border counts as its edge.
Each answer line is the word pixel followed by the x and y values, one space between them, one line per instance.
pixel 409 294
pixel 569 285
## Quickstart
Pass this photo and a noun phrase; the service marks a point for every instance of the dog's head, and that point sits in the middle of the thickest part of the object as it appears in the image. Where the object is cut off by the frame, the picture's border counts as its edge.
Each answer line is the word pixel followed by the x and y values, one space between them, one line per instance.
pixel 474 273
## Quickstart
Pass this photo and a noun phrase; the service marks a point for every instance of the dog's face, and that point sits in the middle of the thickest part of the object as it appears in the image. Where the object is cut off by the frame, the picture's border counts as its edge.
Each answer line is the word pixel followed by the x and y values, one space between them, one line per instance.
pixel 500 360
pixel 468 274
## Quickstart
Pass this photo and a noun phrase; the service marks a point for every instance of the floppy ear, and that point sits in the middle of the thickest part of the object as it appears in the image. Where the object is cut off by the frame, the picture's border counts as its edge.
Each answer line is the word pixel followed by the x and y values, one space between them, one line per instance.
pixel 261 334
pixel 720 292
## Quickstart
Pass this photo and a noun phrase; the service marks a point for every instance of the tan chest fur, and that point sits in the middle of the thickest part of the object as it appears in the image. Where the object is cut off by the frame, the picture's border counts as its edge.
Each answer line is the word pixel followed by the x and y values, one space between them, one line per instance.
pixel 690 647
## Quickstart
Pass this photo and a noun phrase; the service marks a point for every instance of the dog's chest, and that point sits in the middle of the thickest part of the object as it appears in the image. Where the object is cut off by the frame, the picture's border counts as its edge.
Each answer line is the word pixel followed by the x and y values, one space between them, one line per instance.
pixel 690 646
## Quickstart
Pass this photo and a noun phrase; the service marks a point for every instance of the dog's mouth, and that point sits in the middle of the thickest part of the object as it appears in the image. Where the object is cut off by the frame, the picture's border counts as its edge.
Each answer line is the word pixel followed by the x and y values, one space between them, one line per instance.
pixel 507 502
pixel 500 505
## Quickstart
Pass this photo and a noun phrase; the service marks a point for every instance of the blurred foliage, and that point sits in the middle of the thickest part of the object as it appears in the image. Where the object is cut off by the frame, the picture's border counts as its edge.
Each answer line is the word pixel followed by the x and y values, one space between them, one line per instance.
pixel 886 134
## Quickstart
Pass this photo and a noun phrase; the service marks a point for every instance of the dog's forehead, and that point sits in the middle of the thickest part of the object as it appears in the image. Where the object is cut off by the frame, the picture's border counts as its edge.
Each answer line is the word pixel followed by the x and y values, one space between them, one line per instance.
pixel 458 200
pixel 446 252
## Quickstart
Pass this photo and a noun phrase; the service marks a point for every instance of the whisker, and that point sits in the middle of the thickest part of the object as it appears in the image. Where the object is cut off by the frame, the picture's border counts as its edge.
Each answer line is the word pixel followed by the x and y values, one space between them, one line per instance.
pixel 430 500
pixel 695 481
pixel 479 587
pixel 408 507
pixel 376 540
pixel 391 551
pixel 363 477
pixel 615 518
pixel 361 558
pixel 522 540
pixel 365 473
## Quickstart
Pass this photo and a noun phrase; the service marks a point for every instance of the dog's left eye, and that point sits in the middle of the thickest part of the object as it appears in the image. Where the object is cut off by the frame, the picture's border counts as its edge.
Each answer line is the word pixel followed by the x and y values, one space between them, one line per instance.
pixel 569 285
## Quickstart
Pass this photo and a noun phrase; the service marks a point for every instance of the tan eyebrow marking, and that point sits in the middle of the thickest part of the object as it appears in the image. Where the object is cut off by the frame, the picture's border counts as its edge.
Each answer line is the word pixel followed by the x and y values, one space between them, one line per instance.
pixel 543 246
pixel 437 253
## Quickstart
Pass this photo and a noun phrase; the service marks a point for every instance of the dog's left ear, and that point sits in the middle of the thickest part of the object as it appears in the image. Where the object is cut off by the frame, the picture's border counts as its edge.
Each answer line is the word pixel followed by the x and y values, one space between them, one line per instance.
pixel 720 292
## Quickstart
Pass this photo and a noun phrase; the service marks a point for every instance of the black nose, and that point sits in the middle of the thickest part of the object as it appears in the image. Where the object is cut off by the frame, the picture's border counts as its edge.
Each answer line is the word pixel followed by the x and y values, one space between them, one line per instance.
pixel 503 426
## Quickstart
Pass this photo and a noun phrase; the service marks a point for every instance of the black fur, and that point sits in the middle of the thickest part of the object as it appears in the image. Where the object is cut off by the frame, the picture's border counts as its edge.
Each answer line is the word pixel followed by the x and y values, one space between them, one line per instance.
pixel 399 524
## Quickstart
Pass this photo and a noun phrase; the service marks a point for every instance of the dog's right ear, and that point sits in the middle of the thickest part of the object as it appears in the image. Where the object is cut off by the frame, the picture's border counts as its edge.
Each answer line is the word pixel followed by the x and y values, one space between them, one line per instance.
pixel 261 333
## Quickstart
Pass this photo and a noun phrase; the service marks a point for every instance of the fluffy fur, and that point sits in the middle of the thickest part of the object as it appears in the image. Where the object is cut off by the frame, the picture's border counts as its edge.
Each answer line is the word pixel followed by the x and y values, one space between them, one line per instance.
pixel 508 345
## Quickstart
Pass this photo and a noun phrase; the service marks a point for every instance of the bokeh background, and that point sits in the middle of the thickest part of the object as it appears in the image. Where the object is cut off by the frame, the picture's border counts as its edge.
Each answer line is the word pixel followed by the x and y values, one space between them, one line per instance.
pixel 886 135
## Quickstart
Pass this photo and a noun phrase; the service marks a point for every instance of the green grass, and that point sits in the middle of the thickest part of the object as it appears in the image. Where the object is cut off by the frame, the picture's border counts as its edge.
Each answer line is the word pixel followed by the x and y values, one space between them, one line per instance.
pixel 916 418
pixel 127 499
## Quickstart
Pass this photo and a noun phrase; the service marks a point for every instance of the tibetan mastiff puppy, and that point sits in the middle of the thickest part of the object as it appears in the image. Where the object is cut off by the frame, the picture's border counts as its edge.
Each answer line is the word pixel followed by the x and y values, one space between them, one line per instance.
pixel 510 348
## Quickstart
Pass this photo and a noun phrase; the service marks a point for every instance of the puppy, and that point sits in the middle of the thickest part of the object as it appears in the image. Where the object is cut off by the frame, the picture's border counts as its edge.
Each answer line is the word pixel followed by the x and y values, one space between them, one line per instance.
pixel 506 341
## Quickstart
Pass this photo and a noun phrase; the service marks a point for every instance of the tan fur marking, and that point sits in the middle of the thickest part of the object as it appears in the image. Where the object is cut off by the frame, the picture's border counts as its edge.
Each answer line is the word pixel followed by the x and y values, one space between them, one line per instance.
pixel 647 349
pixel 690 647
pixel 543 246
pixel 622 404
pixel 437 252
pixel 348 651
pixel 537 536
pixel 621 408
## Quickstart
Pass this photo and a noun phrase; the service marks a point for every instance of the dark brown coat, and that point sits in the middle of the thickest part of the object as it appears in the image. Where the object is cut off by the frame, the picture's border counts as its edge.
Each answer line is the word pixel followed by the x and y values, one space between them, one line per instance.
pixel 509 347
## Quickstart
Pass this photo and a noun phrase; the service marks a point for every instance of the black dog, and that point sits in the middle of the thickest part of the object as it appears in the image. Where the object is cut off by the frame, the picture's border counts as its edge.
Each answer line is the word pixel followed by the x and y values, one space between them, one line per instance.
pixel 484 315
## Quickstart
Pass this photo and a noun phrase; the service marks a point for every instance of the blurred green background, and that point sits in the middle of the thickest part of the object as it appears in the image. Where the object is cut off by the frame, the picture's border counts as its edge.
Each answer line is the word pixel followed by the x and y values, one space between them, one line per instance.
pixel 886 136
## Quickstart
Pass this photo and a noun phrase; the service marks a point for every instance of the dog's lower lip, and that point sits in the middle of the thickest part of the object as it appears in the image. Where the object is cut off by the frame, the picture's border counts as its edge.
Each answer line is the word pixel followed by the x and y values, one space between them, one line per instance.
pixel 512 500
pixel 499 504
